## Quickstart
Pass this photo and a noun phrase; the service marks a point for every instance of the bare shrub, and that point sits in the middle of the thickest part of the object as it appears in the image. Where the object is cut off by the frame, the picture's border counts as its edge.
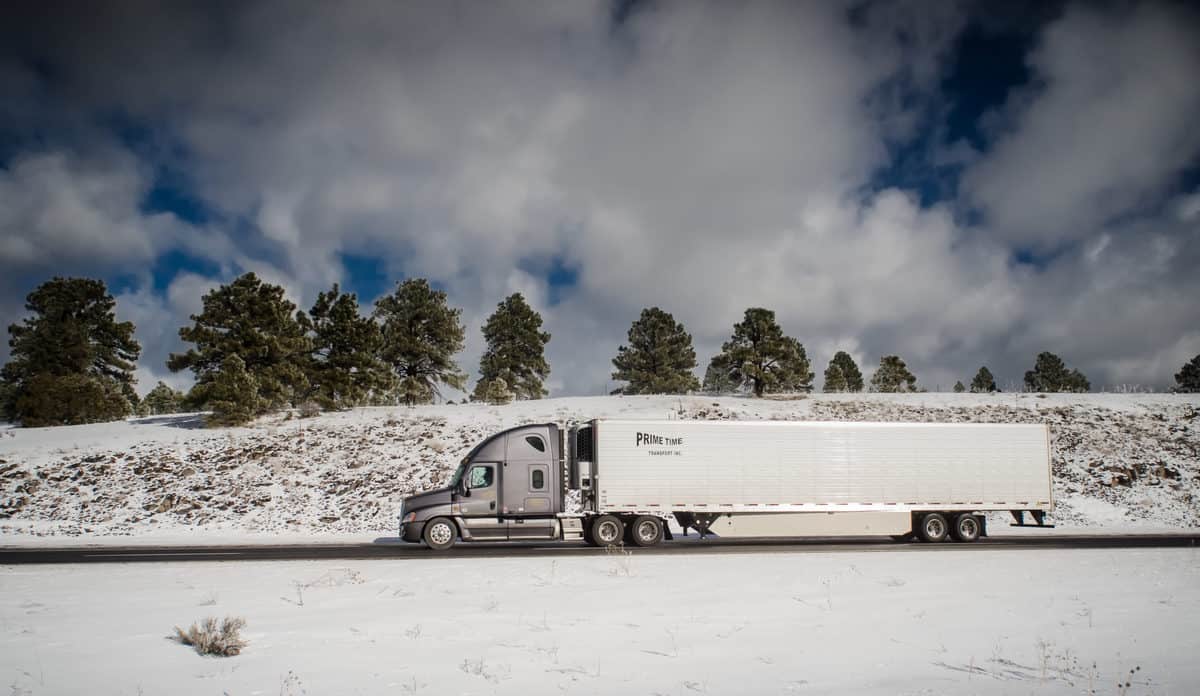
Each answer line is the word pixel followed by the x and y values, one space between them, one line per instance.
pixel 622 560
pixel 210 638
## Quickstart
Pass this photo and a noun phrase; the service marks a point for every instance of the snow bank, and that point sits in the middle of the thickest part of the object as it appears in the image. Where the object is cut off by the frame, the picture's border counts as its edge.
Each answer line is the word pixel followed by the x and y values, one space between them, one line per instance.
pixel 1119 460
pixel 944 621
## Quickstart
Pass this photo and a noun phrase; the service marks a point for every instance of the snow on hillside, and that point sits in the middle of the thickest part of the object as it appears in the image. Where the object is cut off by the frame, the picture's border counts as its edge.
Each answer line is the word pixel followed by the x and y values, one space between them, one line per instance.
pixel 1119 460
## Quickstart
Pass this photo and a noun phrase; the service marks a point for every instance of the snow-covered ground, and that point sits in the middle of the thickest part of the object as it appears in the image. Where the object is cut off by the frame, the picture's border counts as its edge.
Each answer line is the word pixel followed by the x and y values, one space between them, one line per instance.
pixel 1120 461
pixel 946 621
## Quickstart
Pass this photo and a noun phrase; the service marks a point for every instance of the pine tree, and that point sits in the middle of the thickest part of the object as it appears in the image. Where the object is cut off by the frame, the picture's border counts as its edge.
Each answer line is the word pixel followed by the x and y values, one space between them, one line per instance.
pixel 959 388
pixel 344 369
pixel 717 378
pixel 1187 380
pixel 760 357
pixel 516 349
pixel 249 319
pixel 983 381
pixel 659 358
pixel 232 394
pixel 1050 374
pixel 850 371
pixel 162 399
pixel 421 335
pixel 893 376
pixel 71 361
pixel 835 379
pixel 496 391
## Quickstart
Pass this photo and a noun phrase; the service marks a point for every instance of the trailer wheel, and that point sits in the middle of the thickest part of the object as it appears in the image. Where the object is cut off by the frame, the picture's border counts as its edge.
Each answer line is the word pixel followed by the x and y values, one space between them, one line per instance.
pixel 439 533
pixel 966 527
pixel 607 530
pixel 933 527
pixel 647 530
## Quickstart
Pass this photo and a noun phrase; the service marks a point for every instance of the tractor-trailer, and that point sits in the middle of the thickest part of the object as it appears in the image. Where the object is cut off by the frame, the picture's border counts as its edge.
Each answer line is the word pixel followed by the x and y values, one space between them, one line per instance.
pixel 608 481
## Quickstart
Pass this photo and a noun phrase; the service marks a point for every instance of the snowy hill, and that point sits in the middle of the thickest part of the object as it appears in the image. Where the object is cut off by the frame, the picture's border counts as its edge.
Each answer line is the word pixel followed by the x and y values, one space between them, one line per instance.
pixel 1119 460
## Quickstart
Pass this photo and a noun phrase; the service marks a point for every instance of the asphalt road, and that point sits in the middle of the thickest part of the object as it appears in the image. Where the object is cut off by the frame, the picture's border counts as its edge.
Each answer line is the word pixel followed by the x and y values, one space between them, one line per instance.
pixel 393 549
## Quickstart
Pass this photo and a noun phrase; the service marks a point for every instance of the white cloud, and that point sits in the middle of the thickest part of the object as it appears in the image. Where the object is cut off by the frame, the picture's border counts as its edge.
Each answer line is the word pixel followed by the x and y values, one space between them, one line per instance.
pixel 703 158
pixel 1110 125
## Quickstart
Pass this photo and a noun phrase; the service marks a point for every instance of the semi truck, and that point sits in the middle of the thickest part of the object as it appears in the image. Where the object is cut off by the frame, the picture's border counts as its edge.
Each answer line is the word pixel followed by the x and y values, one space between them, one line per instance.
pixel 608 481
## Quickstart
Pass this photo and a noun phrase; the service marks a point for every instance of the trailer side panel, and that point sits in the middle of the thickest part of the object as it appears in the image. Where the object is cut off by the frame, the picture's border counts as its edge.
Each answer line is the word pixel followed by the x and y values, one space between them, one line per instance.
pixel 778 466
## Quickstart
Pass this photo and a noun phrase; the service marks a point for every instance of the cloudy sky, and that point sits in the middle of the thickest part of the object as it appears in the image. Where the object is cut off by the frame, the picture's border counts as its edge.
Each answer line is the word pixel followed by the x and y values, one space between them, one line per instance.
pixel 957 184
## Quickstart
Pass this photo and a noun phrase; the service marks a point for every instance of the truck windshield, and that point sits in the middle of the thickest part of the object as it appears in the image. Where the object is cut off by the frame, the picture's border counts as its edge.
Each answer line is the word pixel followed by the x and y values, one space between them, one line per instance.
pixel 458 473
pixel 462 466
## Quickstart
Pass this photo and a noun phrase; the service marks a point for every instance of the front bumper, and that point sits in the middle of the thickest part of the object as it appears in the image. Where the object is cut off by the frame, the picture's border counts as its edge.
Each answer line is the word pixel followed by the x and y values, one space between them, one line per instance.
pixel 411 532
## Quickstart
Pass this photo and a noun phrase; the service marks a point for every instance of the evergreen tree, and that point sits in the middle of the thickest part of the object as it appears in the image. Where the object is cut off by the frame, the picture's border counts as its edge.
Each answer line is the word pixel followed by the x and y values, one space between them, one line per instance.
pixel 496 391
pixel 983 381
pixel 162 399
pixel 760 357
pixel 850 371
pixel 232 394
pixel 1187 380
pixel 717 378
pixel 659 358
pixel 251 320
pixel 893 376
pixel 516 349
pixel 1050 374
pixel 344 369
pixel 71 361
pixel 421 335
pixel 959 388
pixel 835 379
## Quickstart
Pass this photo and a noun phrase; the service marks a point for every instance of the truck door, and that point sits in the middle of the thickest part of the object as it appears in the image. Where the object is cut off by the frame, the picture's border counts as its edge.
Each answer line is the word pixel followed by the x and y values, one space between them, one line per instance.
pixel 530 483
pixel 478 507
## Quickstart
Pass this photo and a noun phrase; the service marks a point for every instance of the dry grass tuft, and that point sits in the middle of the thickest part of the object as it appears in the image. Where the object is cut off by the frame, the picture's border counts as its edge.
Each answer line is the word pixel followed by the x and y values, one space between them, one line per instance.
pixel 210 638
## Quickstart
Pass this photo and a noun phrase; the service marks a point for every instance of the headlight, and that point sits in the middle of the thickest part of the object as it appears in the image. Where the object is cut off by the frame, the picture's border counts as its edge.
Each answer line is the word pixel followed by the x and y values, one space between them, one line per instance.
pixel 408 518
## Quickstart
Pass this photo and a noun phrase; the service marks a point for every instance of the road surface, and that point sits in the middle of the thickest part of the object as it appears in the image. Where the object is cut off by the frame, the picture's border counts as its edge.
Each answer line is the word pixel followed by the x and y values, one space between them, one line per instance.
pixel 394 549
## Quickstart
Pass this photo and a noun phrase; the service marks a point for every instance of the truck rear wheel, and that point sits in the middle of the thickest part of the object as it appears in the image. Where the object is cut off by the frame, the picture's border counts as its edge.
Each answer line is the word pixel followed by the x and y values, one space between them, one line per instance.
pixel 933 527
pixel 439 533
pixel 607 530
pixel 647 530
pixel 966 527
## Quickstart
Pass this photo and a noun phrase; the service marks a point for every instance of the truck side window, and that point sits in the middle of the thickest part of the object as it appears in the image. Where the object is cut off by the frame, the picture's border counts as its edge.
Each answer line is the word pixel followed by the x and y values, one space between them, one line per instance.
pixel 480 477
pixel 536 443
pixel 538 479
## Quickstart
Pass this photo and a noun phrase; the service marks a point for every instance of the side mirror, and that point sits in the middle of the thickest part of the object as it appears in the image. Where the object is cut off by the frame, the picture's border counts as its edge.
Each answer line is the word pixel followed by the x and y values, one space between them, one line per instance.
pixel 466 492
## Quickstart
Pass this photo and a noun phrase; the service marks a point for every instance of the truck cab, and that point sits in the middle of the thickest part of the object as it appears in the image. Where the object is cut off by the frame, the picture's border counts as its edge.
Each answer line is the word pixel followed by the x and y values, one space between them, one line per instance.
pixel 508 488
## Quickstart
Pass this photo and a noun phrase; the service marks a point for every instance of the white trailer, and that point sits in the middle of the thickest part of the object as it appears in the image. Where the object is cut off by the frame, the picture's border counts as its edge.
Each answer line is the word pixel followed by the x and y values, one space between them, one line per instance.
pixel 930 481
pixel 785 478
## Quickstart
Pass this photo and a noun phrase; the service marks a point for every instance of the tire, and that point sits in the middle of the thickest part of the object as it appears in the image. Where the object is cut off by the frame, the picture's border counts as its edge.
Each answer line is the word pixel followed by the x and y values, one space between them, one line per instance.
pixel 646 530
pixel 439 533
pixel 966 528
pixel 587 535
pixel 933 527
pixel 607 530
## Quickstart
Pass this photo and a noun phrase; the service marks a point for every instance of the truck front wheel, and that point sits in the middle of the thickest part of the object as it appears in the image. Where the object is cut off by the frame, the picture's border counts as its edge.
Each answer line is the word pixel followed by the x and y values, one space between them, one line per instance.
pixel 646 531
pixel 439 533
pixel 933 527
pixel 607 530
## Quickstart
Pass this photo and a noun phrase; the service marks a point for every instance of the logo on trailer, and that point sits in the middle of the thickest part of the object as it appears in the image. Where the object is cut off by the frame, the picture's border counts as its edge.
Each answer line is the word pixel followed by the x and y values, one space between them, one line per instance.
pixel 651 440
